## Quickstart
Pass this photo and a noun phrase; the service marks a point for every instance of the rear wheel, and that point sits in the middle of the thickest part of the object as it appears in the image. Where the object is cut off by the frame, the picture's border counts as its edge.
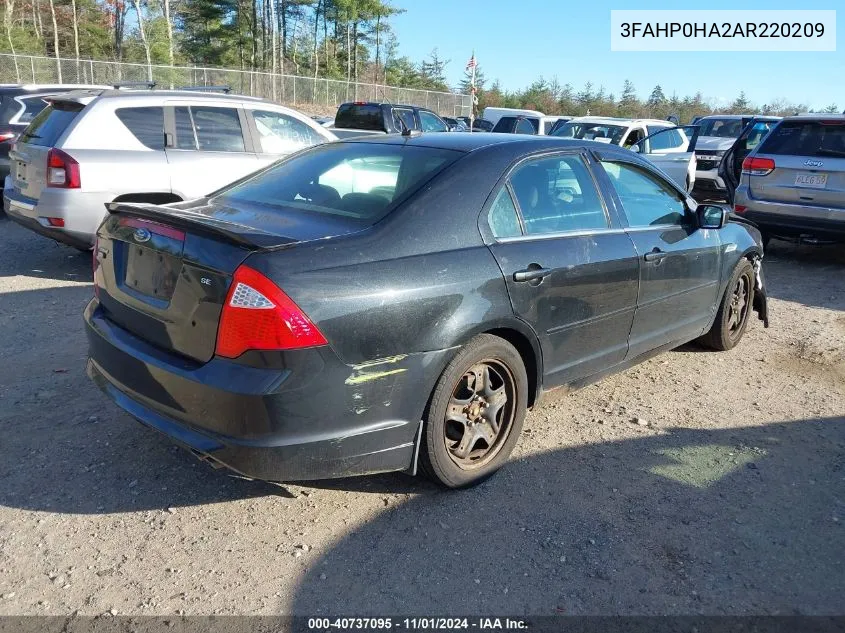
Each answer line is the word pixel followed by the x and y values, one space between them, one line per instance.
pixel 475 414
pixel 732 317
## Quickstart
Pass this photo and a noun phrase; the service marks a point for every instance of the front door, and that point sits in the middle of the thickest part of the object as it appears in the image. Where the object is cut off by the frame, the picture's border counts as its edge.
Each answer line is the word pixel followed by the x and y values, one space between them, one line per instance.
pixel 680 264
pixel 571 271
pixel 206 148
pixel 730 167
pixel 672 150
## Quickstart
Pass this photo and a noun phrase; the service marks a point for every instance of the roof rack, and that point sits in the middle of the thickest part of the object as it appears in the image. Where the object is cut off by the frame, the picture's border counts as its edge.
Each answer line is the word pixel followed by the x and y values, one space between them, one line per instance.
pixel 223 89
pixel 135 84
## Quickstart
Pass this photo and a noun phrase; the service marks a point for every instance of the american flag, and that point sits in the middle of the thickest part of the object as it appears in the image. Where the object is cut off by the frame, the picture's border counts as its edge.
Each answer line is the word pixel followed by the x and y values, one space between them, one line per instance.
pixel 472 63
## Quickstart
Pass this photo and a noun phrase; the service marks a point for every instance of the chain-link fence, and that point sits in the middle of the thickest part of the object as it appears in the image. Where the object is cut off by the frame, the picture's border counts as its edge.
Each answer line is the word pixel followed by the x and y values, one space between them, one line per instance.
pixel 323 95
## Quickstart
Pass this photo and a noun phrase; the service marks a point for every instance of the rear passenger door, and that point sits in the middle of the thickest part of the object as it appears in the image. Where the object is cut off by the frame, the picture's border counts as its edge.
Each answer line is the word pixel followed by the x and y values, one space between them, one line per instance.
pixel 680 264
pixel 570 269
pixel 207 147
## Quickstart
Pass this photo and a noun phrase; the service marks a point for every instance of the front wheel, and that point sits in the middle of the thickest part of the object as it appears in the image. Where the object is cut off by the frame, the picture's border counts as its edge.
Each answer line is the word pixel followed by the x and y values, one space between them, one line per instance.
pixel 732 317
pixel 475 414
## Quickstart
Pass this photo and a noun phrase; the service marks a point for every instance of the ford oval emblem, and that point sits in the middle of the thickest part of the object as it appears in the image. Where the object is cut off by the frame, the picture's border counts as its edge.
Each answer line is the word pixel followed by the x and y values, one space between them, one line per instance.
pixel 142 235
pixel 813 163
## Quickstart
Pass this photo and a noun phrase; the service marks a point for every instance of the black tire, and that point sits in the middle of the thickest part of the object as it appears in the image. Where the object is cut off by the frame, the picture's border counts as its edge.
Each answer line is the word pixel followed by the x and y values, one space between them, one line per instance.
pixel 734 310
pixel 482 428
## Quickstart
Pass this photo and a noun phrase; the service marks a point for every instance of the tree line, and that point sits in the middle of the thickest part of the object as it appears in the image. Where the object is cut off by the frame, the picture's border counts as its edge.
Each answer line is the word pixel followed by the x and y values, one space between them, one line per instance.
pixel 552 97
pixel 336 39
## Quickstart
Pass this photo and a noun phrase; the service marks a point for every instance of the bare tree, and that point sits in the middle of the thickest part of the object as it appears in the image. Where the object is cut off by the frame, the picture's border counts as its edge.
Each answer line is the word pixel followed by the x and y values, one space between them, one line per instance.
pixel 144 41
pixel 7 22
pixel 56 41
pixel 316 29
pixel 171 58
pixel 76 37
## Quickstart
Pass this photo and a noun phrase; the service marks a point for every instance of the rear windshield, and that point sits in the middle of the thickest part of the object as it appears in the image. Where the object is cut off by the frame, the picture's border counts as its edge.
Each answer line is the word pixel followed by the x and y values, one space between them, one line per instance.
pixel 50 123
pixel 359 117
pixel 806 138
pixel 32 105
pixel 359 181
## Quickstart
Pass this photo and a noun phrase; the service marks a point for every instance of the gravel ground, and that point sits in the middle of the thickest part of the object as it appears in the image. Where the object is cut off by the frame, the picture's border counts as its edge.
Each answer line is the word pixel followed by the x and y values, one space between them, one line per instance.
pixel 695 483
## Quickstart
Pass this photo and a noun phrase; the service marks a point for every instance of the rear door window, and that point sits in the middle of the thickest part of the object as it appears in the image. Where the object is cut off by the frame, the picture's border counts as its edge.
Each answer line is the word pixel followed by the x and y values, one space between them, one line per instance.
pixel 218 129
pixel 557 194
pixel 50 124
pixel 359 116
pixel 403 115
pixel 208 129
pixel 806 138
pixel 146 125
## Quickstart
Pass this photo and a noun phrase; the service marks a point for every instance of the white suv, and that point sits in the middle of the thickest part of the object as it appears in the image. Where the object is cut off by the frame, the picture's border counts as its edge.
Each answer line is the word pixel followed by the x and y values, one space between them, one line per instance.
pixel 669 147
pixel 92 147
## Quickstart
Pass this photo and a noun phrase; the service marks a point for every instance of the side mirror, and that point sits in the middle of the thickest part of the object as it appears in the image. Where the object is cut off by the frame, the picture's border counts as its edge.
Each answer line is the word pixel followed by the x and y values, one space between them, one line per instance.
pixel 636 148
pixel 712 216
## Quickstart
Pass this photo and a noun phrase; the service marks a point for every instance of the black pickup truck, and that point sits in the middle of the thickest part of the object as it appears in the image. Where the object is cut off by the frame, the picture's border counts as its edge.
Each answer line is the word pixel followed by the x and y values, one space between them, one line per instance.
pixel 367 117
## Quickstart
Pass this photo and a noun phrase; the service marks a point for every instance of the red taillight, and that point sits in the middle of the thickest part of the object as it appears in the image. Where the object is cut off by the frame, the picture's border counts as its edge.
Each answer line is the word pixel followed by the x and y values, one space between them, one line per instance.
pixel 62 170
pixel 757 166
pixel 56 221
pixel 7 136
pixel 258 315
pixel 739 208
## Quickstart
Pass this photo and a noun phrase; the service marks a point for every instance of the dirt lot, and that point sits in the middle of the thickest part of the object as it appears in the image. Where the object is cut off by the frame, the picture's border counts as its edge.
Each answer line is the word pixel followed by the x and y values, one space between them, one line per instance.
pixel 726 496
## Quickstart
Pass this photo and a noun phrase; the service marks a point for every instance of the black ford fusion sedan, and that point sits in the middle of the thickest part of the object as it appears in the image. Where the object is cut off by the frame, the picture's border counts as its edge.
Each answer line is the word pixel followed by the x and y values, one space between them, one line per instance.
pixel 387 304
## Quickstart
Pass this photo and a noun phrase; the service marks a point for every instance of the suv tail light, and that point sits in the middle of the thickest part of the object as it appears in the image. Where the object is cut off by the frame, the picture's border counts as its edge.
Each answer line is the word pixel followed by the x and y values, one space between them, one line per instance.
pixel 754 166
pixel 7 136
pixel 258 315
pixel 62 170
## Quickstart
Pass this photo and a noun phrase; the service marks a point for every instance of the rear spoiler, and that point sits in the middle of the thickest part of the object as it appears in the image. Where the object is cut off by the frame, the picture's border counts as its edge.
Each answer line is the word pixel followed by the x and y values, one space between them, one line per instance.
pixel 232 232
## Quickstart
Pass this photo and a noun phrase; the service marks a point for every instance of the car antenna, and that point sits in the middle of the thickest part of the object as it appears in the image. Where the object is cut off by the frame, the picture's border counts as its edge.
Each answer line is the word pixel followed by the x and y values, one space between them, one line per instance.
pixel 406 131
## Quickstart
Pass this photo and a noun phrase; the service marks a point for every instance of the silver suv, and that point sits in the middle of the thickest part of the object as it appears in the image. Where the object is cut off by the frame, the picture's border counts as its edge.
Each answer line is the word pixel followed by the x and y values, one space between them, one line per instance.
pixel 791 183
pixel 92 147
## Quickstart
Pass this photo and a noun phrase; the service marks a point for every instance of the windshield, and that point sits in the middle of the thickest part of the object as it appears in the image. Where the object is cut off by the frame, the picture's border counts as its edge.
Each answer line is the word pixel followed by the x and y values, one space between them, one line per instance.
pixel 359 181
pixel 806 138
pixel 722 128
pixel 588 131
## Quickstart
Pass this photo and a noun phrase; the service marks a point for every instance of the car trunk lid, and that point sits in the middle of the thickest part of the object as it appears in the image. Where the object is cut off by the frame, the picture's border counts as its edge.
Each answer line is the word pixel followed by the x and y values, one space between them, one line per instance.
pixel 163 273
pixel 28 158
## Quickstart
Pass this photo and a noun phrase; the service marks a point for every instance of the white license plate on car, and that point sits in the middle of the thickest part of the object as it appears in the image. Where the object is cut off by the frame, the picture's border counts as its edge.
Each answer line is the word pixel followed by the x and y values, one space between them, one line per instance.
pixel 816 181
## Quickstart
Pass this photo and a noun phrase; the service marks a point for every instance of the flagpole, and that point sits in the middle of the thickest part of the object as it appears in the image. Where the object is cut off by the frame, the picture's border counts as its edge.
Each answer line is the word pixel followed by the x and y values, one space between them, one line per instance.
pixel 472 93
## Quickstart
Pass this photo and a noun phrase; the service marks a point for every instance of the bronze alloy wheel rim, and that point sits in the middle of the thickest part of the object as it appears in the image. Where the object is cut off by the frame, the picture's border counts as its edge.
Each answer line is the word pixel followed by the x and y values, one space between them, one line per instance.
pixel 480 414
pixel 738 306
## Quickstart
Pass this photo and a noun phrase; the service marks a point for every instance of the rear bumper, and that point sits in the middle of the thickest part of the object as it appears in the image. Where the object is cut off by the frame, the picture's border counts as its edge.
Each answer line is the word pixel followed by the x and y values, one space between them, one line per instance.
pixel 82 213
pixel 791 220
pixel 308 416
